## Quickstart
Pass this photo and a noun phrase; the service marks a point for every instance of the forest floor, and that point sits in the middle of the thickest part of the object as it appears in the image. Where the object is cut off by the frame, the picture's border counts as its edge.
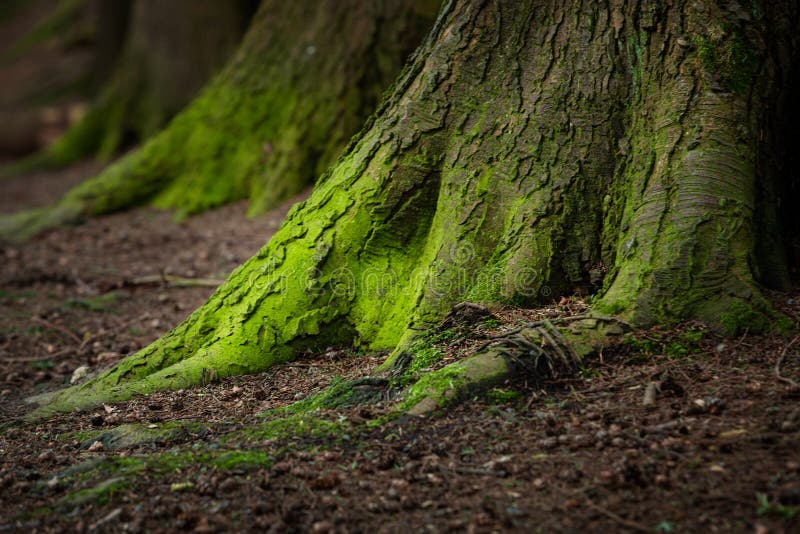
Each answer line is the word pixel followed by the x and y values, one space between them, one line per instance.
pixel 716 450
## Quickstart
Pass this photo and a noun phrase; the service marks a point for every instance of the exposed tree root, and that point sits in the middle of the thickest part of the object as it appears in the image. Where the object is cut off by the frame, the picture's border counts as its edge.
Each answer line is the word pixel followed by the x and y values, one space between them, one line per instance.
pixel 539 350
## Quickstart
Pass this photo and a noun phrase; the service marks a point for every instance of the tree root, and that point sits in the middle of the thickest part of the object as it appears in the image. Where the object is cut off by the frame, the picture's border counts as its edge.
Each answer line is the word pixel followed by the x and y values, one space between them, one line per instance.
pixel 538 349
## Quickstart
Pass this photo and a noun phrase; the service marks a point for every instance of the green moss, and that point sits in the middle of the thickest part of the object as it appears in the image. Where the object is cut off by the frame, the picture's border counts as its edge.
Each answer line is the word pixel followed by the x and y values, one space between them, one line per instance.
pixel 339 394
pixel 61 23
pixel 439 385
pixel 776 509
pixel 132 435
pixel 491 323
pixel 100 303
pixel 241 460
pixel 444 197
pixel 502 396
pixel 424 359
pixel 439 388
pixel 100 494
pixel 754 318
pixel 680 346
pixel 80 435
pixel 731 56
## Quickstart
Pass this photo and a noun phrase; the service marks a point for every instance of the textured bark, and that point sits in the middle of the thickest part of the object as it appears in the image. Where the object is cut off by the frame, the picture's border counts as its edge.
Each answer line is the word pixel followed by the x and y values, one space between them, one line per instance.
pixel 273 120
pixel 530 150
pixel 170 51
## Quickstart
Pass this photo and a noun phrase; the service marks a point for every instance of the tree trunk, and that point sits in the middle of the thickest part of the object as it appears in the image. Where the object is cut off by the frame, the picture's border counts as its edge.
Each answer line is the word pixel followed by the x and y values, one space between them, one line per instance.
pixel 113 21
pixel 630 149
pixel 170 50
pixel 273 120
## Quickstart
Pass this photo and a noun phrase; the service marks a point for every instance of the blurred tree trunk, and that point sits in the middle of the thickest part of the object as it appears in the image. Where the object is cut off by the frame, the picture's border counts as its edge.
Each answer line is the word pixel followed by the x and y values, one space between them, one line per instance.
pixel 113 18
pixel 168 52
pixel 305 78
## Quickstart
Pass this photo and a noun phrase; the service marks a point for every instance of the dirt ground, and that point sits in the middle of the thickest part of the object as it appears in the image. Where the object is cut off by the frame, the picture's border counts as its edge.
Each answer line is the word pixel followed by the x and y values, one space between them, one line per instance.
pixel 717 450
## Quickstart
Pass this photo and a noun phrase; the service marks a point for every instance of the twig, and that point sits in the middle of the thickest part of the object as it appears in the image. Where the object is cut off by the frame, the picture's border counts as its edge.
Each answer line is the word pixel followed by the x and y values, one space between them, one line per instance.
pixel 173 281
pixel 30 359
pixel 792 383
pixel 480 472
pixel 58 328
pixel 633 525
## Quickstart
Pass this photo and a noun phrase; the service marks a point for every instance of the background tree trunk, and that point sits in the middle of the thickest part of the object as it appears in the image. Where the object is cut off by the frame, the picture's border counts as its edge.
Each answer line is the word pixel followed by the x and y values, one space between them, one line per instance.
pixel 530 150
pixel 113 21
pixel 272 121
pixel 170 51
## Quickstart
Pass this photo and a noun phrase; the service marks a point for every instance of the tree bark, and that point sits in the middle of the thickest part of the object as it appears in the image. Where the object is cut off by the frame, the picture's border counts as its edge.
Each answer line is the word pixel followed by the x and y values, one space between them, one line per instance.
pixel 630 149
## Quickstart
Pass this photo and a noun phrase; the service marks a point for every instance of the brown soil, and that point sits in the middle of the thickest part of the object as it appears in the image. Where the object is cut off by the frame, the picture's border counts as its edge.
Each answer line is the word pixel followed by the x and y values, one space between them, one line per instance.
pixel 716 451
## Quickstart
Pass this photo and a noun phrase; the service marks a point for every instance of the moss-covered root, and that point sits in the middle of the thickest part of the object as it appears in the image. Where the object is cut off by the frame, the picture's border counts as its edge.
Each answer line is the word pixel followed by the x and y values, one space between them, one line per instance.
pixel 136 434
pixel 538 350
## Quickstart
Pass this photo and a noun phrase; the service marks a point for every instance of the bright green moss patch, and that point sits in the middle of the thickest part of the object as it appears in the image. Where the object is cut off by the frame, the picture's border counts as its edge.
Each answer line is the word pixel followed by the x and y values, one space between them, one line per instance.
pixel 294 426
pixel 241 459
pixel 439 388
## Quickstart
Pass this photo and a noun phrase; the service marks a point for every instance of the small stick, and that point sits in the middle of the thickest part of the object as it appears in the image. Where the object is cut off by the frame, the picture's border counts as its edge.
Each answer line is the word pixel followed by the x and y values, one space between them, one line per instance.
pixel 633 525
pixel 174 281
pixel 480 472
pixel 58 328
pixel 792 383
pixel 31 359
